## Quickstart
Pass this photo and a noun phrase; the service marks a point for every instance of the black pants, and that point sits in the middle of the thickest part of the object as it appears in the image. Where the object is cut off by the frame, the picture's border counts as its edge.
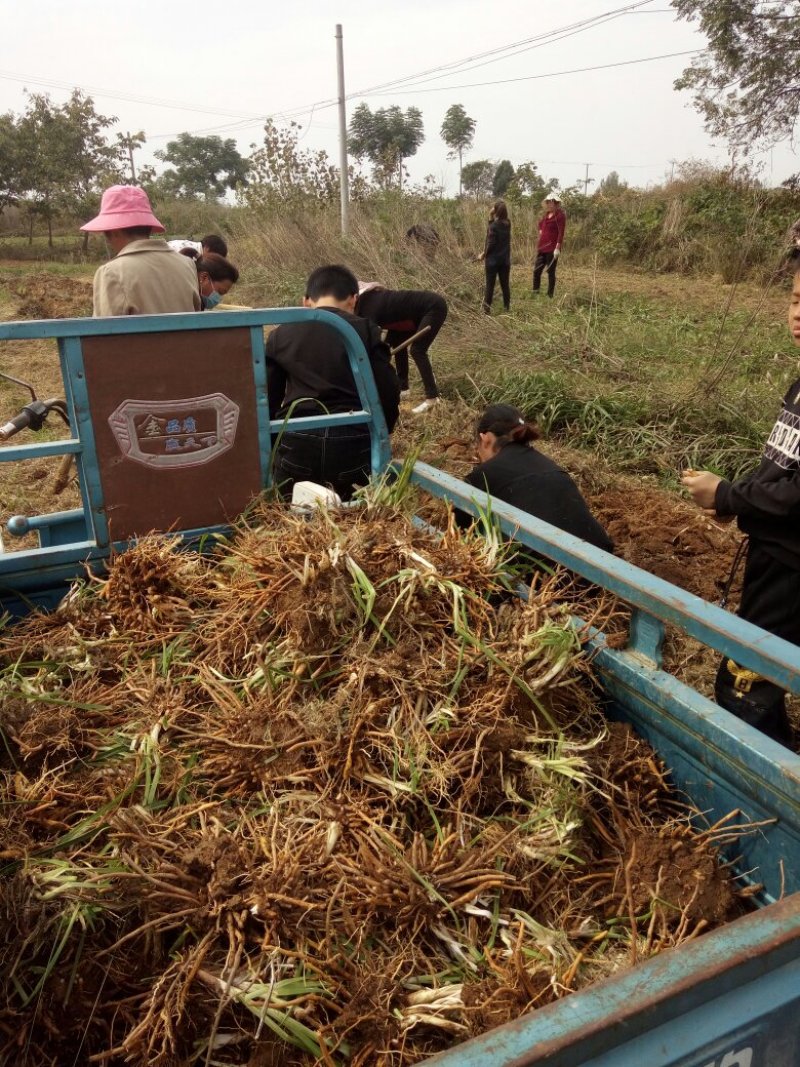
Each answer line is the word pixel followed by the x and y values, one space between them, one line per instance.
pixel 771 600
pixel 338 456
pixel 402 313
pixel 497 272
pixel 545 260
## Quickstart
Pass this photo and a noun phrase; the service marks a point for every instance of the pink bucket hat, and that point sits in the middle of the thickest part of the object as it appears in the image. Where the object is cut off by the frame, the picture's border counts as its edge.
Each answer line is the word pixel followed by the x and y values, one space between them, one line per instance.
pixel 122 207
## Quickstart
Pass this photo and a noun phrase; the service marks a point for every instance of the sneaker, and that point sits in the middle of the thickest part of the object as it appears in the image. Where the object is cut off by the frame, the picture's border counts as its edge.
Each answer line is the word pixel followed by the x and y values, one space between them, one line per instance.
pixel 426 405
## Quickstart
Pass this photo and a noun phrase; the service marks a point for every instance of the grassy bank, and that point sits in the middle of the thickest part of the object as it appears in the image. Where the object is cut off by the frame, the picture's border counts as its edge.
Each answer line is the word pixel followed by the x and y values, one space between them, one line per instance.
pixel 650 371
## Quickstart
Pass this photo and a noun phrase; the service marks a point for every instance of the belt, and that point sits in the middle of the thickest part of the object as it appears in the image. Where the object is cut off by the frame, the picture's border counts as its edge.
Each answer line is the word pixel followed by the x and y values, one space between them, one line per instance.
pixel 742 678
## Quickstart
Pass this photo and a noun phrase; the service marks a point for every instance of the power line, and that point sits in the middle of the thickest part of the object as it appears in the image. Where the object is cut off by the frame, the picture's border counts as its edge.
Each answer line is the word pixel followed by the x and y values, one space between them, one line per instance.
pixel 550 74
pixel 526 44
pixel 131 98
pixel 551 36
pixel 471 85
pixel 499 81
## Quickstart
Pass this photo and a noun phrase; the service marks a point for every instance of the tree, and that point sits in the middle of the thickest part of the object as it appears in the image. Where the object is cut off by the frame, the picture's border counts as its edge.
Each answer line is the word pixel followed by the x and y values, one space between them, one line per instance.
pixel 477 178
pixel 63 157
pixel 56 159
pixel 458 131
pixel 11 181
pixel 529 184
pixel 281 171
pixel 90 163
pixel 41 160
pixel 612 184
pixel 203 167
pixel 503 177
pixel 746 83
pixel 128 143
pixel 385 137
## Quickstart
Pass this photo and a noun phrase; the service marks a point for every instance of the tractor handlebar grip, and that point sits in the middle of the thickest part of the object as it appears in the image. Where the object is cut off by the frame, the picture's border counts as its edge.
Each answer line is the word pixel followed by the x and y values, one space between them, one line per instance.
pixel 32 415
pixel 19 422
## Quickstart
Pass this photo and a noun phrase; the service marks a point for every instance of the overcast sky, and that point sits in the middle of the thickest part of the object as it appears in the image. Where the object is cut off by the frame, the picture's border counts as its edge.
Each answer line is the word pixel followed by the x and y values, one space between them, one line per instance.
pixel 229 66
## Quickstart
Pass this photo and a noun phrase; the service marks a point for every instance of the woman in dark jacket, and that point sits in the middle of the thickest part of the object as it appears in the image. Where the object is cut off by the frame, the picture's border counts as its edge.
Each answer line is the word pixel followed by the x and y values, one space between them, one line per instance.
pixel 496 255
pixel 510 469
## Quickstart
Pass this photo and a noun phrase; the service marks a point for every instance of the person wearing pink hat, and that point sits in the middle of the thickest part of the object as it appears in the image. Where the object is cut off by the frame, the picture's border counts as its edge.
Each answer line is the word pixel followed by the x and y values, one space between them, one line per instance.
pixel 145 277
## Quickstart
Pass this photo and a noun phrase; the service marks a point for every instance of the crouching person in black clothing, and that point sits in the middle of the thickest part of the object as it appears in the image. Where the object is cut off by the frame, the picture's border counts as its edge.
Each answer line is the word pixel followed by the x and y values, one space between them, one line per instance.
pixel 510 469
pixel 766 505
pixel 308 373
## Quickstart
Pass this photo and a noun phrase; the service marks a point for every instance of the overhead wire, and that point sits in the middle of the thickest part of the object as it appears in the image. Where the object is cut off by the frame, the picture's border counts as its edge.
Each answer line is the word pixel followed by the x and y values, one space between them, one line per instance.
pixel 549 74
pixel 126 97
pixel 498 81
pixel 514 48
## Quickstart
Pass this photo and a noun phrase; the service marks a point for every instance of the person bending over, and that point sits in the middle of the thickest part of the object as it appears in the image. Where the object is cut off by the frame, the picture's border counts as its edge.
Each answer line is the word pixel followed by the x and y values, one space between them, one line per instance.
pixel 212 242
pixel 766 505
pixel 402 313
pixel 145 277
pixel 511 469
pixel 216 276
pixel 308 373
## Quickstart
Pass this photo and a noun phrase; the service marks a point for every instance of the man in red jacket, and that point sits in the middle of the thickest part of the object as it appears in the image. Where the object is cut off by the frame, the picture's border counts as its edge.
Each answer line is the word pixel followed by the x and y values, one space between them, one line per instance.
pixel 551 236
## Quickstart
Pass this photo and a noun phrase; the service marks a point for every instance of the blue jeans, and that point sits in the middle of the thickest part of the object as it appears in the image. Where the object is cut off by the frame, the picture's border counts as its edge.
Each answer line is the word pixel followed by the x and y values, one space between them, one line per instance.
pixel 338 456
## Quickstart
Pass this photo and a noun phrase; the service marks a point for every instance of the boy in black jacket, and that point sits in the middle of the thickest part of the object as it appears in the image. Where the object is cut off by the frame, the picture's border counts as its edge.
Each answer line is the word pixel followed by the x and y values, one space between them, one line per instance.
pixel 767 507
pixel 308 373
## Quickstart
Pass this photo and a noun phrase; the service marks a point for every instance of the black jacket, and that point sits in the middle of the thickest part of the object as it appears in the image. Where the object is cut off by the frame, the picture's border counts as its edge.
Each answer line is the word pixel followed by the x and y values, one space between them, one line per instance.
pixel 307 363
pixel 767 502
pixel 532 482
pixel 497 250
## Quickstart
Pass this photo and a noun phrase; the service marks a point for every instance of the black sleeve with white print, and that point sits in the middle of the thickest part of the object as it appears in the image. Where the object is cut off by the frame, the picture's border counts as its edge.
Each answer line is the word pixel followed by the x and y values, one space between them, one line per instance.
pixel 767 502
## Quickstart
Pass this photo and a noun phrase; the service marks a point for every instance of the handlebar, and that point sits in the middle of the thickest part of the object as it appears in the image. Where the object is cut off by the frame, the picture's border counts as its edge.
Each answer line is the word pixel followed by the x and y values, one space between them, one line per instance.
pixel 33 416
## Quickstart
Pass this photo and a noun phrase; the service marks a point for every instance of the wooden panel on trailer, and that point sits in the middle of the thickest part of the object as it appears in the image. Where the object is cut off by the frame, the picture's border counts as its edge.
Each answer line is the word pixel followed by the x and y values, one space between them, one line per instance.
pixel 174 420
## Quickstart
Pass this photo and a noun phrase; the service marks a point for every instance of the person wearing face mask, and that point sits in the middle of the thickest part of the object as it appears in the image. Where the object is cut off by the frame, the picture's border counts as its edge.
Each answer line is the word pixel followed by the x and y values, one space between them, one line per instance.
pixel 216 276
pixel 145 277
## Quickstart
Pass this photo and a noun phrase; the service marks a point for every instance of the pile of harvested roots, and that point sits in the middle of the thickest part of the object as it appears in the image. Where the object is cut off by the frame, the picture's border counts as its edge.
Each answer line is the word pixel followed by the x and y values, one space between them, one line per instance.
pixel 328 794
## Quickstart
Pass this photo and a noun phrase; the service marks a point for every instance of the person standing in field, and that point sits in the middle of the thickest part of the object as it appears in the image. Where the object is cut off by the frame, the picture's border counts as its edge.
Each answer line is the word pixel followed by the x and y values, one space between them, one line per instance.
pixel 496 255
pixel 552 225
pixel 766 505
pixel 145 277
pixel 402 313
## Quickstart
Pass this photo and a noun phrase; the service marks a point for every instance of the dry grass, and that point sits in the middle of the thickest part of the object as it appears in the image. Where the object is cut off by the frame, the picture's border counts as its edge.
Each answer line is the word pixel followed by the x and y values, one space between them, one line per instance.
pixel 328 794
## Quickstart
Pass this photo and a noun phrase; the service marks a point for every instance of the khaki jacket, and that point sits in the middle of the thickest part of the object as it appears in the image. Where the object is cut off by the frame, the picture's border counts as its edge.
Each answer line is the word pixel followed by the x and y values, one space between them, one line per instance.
pixel 146 278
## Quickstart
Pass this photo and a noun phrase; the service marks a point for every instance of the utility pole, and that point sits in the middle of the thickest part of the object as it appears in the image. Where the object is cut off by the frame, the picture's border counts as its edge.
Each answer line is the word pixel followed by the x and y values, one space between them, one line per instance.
pixel 586 180
pixel 344 191
pixel 672 163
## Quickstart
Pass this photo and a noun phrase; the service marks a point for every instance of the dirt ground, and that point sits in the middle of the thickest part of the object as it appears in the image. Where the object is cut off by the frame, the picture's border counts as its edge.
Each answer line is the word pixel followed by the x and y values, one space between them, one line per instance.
pixel 40 297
